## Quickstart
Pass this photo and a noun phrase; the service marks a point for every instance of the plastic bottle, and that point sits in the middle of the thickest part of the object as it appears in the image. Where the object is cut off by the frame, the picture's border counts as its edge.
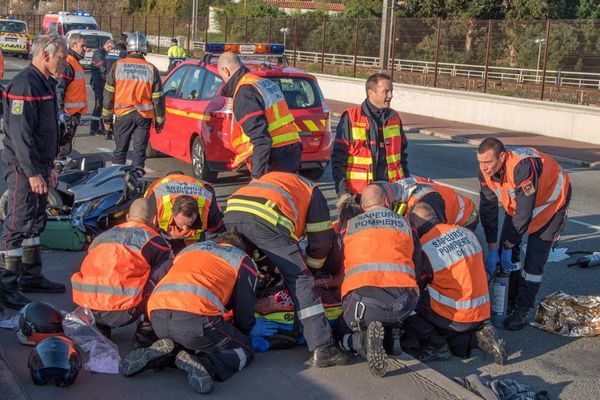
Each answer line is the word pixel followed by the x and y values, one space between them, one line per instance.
pixel 499 296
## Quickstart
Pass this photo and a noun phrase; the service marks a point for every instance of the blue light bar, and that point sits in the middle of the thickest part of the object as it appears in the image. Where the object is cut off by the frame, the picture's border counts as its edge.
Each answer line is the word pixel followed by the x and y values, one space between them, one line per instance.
pixel 245 48
pixel 214 48
pixel 81 13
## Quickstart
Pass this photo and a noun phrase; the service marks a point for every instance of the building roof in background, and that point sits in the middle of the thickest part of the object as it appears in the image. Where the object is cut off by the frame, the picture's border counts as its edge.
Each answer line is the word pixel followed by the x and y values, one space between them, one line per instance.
pixel 307 5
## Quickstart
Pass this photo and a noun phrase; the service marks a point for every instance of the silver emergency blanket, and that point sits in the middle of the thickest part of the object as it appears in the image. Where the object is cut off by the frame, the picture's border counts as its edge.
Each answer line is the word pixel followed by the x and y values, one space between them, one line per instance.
pixel 567 315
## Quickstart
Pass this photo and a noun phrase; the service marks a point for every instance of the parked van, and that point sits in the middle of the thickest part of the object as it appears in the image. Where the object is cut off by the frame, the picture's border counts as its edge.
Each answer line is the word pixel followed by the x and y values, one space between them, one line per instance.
pixel 14 38
pixel 94 39
pixel 63 22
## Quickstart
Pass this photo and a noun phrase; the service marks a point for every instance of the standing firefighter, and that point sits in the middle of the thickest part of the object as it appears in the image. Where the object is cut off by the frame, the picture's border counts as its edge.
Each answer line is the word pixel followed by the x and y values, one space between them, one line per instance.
pixel 370 144
pixel 30 146
pixel 269 139
pixel 535 193
pixel 71 96
pixel 97 80
pixel 134 92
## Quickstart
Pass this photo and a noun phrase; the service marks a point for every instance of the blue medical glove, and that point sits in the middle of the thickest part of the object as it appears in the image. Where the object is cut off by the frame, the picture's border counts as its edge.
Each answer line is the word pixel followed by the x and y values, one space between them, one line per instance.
pixel 506 261
pixel 491 262
pixel 63 118
pixel 262 327
pixel 259 343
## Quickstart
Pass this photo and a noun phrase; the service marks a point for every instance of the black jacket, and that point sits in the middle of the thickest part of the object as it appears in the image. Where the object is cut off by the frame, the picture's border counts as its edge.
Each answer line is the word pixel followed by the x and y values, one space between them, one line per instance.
pixel 339 158
pixel 98 65
pixel 30 122
pixel 65 77
pixel 243 297
pixel 113 55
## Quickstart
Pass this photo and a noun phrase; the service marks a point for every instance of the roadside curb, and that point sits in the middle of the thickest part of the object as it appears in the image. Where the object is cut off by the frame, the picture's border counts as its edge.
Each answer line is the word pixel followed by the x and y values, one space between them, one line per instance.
pixel 476 142
pixel 10 387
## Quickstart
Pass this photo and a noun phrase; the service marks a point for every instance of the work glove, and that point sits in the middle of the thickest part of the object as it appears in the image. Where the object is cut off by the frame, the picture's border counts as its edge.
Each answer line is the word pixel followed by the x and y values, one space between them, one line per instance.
pixel 158 126
pixel 259 343
pixel 262 327
pixel 491 262
pixel 506 261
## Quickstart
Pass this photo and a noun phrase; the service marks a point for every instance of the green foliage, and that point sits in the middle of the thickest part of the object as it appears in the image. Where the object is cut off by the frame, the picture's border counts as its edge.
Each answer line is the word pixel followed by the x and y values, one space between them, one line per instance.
pixel 588 9
pixel 363 8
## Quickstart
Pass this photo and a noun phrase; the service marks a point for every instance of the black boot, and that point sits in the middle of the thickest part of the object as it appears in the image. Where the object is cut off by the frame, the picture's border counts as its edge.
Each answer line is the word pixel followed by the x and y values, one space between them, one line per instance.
pixel 373 347
pixel 144 335
pixel 329 355
pixel 32 279
pixel 517 319
pixel 10 290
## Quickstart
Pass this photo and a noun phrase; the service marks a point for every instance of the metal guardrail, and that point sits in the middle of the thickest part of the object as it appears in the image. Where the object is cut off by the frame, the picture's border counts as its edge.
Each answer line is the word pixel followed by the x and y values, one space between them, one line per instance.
pixel 583 80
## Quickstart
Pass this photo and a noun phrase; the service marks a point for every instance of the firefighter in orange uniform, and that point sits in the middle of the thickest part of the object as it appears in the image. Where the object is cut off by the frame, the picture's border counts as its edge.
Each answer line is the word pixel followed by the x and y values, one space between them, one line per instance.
pixel 535 193
pixel 455 303
pixel 134 93
pixel 382 261
pixel 272 213
pixel 370 144
pixel 268 140
pixel 120 271
pixel 71 96
pixel 187 308
pixel 186 208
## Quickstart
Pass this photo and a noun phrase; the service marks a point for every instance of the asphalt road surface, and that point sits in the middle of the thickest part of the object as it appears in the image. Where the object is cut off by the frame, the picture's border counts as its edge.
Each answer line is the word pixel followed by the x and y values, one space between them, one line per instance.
pixel 565 367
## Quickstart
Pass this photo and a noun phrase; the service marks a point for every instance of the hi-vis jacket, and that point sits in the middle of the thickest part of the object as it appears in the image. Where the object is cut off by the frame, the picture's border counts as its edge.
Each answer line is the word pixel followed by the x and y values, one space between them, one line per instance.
pixel 280 121
pixel 362 146
pixel 165 190
pixel 532 187
pixel 292 204
pixel 378 252
pixel 70 90
pixel 117 267
pixel 134 85
pixel 458 290
pixel 202 281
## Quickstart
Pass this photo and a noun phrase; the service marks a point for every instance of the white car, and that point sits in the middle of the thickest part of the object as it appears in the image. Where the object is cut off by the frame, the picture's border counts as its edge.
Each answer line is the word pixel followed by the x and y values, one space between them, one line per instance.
pixel 93 40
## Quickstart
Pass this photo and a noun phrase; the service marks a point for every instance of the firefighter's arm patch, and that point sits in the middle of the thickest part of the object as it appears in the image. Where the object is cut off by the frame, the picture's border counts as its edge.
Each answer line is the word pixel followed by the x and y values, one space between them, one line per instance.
pixel 16 107
pixel 528 188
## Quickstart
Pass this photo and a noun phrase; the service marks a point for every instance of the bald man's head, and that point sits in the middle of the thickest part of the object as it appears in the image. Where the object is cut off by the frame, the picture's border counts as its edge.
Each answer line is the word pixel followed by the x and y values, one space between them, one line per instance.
pixel 228 65
pixel 373 196
pixel 421 214
pixel 142 210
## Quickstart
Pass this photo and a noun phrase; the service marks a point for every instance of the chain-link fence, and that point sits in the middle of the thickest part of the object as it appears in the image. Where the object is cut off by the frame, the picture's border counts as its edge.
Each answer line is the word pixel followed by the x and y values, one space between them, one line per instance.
pixel 550 60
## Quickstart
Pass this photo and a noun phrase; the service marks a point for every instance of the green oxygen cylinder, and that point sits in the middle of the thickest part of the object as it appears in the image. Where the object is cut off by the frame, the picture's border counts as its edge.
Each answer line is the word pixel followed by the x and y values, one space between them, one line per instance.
pixel 499 296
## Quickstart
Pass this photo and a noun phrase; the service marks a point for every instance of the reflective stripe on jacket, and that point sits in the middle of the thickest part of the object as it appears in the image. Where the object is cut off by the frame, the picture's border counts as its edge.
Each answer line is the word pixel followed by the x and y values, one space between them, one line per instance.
pixel 114 272
pixel 200 281
pixel 280 120
pixel 378 251
pixel 280 198
pixel 167 189
pixel 458 209
pixel 75 96
pixel 359 170
pixel 551 192
pixel 134 79
pixel 459 290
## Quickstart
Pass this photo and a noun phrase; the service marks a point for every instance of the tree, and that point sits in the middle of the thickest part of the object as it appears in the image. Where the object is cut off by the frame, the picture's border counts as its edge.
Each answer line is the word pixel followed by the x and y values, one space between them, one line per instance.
pixel 588 9
pixel 362 8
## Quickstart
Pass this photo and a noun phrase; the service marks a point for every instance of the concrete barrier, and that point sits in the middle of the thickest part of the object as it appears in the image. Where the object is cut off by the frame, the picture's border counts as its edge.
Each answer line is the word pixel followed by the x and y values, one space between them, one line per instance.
pixel 567 121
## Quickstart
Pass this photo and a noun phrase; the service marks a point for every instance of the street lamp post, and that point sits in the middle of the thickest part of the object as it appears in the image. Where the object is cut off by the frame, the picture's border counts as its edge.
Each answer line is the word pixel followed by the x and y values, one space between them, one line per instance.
pixel 537 70
pixel 285 31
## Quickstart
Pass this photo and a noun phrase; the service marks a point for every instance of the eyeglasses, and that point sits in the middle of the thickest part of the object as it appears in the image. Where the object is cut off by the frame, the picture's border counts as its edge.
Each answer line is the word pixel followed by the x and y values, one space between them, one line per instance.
pixel 54 40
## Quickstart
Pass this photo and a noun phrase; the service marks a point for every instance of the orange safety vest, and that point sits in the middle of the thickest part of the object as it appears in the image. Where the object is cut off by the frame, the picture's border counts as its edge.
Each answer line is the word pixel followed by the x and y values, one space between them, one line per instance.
pixel 359 170
pixel 280 120
pixel 279 198
pixel 552 188
pixel 459 290
pixel 134 80
pixel 458 209
pixel 378 250
pixel 167 189
pixel 114 272
pixel 200 281
pixel 75 97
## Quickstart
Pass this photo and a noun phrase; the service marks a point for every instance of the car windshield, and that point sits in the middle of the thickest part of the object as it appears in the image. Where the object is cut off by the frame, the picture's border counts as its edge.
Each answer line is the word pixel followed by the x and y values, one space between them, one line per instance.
pixel 13 27
pixel 95 42
pixel 79 25
pixel 298 92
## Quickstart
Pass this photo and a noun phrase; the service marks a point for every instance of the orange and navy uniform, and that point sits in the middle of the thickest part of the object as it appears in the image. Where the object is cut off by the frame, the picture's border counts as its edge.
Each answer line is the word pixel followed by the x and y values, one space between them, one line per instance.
pixel 70 90
pixel 457 285
pixel 370 145
pixel 122 265
pixel 134 85
pixel 531 187
pixel 207 279
pixel 268 129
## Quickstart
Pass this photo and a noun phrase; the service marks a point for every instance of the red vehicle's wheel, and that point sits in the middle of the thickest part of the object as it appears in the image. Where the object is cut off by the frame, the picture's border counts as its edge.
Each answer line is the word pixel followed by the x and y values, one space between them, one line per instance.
pixel 199 163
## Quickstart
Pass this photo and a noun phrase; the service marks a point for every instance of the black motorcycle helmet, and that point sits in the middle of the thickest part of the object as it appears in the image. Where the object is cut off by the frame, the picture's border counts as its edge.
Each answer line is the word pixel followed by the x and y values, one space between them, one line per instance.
pixel 54 359
pixel 37 322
